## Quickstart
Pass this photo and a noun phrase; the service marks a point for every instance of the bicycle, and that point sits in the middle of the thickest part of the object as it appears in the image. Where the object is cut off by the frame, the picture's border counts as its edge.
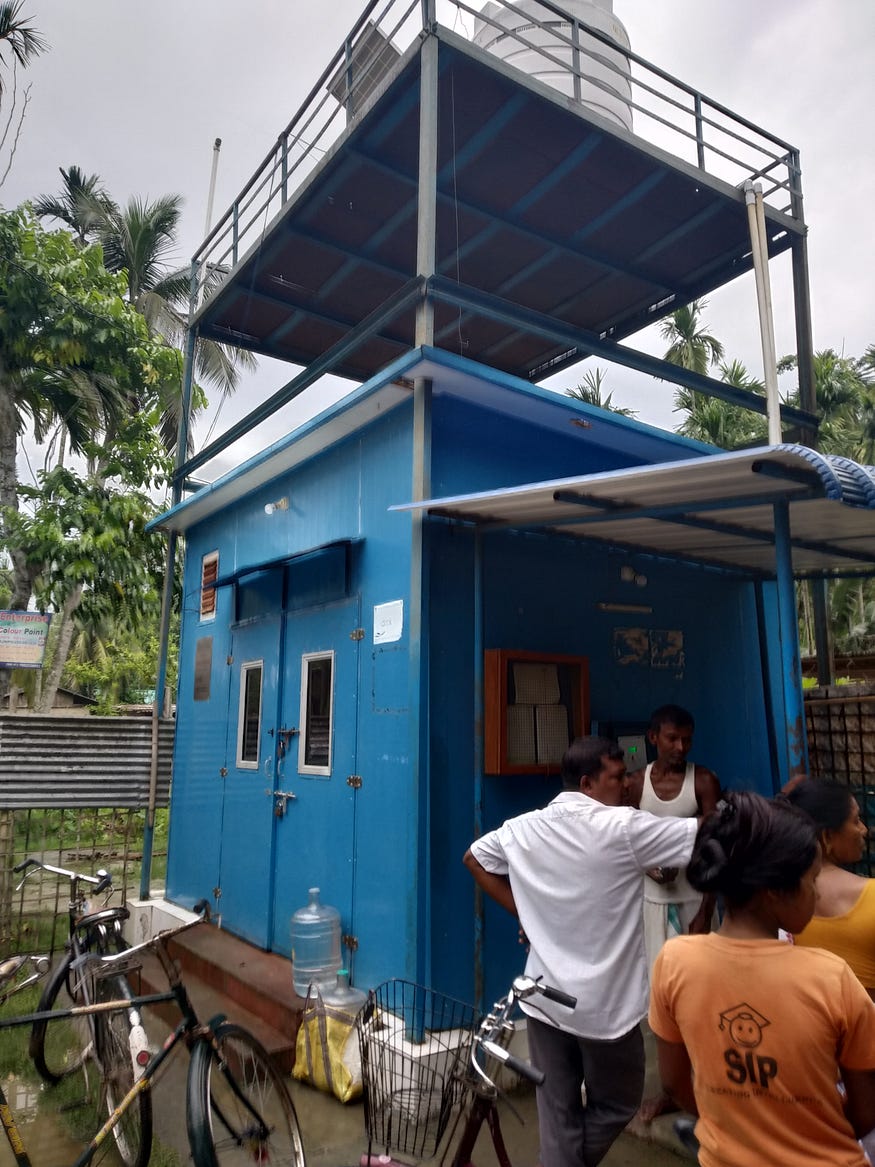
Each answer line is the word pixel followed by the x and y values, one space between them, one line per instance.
pixel 38 967
pixel 238 1110
pixel 489 1052
pixel 58 1051
pixel 424 1060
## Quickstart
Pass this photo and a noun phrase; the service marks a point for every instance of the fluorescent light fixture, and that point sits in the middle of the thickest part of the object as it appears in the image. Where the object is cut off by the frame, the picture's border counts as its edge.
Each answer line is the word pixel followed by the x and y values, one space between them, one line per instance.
pixel 608 606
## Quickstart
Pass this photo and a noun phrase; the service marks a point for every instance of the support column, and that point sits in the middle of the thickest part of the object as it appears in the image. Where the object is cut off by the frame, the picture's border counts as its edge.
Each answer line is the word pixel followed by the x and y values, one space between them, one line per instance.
pixel 479 715
pixel 419 557
pixel 823 642
pixel 167 603
pixel 791 673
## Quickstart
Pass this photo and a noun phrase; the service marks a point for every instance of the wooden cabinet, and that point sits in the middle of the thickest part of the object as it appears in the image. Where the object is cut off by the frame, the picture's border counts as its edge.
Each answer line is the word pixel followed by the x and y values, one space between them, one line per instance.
pixel 535 703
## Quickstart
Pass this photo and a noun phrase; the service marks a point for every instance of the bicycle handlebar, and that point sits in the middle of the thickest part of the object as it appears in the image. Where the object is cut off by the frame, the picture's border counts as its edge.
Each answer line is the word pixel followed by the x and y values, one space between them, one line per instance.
pixel 557 995
pixel 496 1025
pixel 101 881
pixel 525 1069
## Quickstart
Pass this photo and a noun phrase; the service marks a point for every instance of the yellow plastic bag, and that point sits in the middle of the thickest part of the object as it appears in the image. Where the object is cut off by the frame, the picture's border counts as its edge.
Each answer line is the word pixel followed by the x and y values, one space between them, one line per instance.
pixel 327 1050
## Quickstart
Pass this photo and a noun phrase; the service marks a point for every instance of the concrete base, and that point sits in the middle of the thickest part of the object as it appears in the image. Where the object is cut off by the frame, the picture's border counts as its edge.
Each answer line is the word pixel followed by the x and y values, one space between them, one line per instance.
pixel 151 916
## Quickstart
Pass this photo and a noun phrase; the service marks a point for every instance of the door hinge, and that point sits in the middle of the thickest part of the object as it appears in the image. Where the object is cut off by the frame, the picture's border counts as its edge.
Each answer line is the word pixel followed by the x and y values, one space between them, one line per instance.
pixel 223 772
pixel 357 634
pixel 217 893
pixel 229 660
pixel 351 942
pixel 355 781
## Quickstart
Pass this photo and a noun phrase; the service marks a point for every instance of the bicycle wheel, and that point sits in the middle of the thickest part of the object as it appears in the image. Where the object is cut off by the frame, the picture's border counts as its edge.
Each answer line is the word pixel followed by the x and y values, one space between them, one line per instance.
pixel 239 1109
pixel 133 1131
pixel 59 1048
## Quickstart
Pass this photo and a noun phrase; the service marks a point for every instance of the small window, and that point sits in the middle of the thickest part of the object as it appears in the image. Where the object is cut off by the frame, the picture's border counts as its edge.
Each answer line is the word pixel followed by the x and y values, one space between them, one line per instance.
pixel 317 711
pixel 209 575
pixel 249 725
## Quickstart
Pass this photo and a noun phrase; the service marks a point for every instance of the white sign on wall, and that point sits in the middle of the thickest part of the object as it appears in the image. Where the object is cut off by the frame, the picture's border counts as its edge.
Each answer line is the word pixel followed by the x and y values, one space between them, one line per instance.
pixel 388 621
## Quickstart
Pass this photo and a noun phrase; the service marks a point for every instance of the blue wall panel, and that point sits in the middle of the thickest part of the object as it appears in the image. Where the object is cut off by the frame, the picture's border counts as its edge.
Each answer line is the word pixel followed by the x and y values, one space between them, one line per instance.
pixel 541 595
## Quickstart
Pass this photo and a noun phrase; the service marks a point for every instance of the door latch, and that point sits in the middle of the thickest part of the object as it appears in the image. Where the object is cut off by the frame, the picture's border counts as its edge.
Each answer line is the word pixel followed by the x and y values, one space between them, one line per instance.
pixel 284 740
pixel 280 798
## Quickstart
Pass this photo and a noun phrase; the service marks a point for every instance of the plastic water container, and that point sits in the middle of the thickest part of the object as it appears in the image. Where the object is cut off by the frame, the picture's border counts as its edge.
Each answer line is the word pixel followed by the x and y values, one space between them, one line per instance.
pixel 343 995
pixel 315 945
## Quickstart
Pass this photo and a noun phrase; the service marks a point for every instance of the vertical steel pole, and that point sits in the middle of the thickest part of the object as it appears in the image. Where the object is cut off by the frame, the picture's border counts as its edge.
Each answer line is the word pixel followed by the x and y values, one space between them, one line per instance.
pixel 700 131
pixel 167 598
pixel 477 603
pixel 791 673
pixel 419 557
pixel 823 639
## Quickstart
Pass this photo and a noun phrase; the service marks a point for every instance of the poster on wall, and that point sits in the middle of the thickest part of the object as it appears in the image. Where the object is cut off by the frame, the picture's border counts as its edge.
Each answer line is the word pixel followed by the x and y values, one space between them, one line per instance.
pixel 388 622
pixel 23 639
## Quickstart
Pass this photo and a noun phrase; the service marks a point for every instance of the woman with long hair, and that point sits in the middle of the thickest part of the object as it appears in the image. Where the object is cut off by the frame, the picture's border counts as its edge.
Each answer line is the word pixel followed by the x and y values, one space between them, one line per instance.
pixel 844 911
pixel 753 1033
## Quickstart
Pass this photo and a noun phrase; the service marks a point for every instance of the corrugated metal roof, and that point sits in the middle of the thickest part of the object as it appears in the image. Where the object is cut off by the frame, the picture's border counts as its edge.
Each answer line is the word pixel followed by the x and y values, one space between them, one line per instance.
pixel 716 511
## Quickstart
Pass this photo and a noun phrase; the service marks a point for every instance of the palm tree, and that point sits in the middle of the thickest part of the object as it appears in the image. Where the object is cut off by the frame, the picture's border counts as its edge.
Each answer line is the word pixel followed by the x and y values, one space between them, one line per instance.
pixel 20 38
pixel 138 239
pixel 590 391
pixel 80 204
pixel 710 419
pixel 690 346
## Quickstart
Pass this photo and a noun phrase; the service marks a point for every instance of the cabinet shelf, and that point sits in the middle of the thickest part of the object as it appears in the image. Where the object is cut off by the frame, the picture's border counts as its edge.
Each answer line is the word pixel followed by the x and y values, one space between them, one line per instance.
pixel 535 703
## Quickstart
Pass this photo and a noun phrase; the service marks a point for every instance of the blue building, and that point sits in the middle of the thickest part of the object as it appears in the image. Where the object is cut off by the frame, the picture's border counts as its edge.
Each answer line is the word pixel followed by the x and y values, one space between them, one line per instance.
pixel 396 617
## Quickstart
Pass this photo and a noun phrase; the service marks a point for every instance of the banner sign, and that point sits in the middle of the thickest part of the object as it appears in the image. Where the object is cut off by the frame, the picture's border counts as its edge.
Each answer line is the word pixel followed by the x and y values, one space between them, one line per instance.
pixel 23 639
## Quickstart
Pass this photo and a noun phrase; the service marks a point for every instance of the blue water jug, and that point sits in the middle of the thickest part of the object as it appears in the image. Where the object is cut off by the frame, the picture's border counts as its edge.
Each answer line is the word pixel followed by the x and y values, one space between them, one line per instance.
pixel 315 945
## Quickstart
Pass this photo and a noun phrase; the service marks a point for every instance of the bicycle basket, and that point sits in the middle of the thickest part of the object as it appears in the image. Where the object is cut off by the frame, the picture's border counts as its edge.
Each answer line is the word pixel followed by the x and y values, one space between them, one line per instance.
pixel 414 1046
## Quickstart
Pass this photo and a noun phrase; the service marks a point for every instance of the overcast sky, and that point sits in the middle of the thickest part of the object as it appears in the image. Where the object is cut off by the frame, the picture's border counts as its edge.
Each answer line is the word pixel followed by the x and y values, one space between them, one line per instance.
pixel 137 92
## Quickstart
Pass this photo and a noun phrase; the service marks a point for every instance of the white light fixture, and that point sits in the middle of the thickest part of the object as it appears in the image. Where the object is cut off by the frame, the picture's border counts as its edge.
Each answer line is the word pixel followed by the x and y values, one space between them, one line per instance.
pixel 280 504
pixel 627 573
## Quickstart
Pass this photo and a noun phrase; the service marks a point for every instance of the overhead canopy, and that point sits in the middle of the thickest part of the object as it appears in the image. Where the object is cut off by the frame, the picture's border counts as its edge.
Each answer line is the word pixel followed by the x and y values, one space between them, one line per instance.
pixel 717 511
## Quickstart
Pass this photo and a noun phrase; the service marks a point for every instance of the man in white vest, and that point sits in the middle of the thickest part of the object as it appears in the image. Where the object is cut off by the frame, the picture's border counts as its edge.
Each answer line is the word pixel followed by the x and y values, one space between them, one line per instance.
pixel 672 787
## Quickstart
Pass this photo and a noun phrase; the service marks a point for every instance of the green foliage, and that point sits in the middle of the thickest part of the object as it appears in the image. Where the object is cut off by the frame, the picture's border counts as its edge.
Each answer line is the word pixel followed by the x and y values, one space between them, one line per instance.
pixel 690 346
pixel 591 390
pixel 19 37
pixel 119 670
pixel 710 419
pixel 82 533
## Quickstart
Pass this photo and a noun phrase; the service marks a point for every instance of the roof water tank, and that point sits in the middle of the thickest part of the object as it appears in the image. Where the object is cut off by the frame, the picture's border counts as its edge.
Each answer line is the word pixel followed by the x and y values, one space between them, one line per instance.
pixel 604 81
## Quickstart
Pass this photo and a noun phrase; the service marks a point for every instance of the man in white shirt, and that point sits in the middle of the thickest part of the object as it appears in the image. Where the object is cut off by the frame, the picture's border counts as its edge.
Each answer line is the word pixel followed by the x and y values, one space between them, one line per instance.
pixel 571 872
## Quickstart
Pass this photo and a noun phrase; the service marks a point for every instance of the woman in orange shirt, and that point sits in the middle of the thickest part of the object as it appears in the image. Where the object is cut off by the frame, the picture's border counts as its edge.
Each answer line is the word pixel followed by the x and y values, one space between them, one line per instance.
pixel 753 1034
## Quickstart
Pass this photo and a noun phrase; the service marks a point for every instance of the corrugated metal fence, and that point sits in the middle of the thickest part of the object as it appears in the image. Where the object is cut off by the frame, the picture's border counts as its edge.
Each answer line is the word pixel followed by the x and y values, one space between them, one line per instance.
pixel 81 761
pixel 73 793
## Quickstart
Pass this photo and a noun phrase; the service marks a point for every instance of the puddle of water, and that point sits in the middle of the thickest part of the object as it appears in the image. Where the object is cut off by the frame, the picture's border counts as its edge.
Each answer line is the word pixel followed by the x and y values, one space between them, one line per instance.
pixel 43 1130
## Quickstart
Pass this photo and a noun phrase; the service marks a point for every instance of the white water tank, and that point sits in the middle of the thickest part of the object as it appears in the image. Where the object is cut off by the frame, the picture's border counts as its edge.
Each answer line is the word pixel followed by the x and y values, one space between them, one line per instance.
pixel 604 81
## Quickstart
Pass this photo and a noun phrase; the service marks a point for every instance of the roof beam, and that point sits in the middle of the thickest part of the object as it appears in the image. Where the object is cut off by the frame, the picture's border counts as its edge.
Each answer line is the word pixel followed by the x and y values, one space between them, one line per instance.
pixel 527 320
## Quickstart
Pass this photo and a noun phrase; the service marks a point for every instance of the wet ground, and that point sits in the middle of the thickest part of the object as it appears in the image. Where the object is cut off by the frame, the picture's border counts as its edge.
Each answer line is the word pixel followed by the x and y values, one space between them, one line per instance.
pixel 334 1134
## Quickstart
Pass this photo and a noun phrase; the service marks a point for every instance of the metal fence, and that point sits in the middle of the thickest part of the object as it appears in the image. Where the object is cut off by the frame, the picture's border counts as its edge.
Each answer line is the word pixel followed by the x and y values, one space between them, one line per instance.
pixel 33 917
pixel 841 746
pixel 74 793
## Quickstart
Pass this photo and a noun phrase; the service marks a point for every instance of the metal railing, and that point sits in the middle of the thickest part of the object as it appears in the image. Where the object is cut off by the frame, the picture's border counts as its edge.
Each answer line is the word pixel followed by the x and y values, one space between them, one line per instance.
pixel 841 747
pixel 667 113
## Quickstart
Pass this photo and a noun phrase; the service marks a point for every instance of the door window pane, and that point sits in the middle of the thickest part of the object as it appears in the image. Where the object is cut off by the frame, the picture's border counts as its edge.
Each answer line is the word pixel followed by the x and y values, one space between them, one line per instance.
pixel 317 708
pixel 249 729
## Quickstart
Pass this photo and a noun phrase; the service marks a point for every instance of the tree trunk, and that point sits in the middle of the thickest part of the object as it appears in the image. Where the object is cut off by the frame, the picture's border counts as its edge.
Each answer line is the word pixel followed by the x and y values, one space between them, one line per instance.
pixel 62 651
